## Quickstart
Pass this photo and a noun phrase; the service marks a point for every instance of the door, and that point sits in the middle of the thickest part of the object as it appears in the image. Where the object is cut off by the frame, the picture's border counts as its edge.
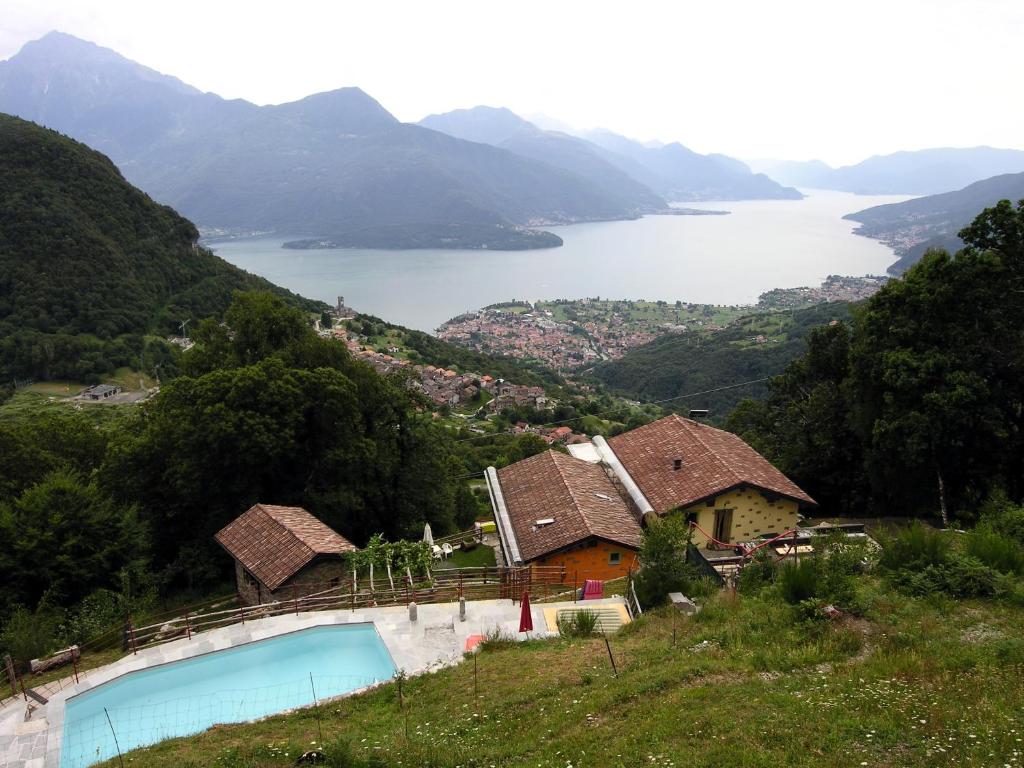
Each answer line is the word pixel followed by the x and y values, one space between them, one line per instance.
pixel 723 525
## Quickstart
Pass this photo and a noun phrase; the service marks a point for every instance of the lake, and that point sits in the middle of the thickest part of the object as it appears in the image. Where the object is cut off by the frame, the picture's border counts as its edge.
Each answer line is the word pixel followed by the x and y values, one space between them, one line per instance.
pixel 760 245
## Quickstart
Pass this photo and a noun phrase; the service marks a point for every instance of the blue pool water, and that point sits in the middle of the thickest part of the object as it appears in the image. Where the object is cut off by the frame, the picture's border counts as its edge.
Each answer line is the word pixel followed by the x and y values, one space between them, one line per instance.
pixel 229 686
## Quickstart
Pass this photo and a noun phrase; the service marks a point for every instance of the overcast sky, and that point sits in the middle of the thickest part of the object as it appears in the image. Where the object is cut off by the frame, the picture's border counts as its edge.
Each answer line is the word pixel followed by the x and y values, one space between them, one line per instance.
pixel 780 79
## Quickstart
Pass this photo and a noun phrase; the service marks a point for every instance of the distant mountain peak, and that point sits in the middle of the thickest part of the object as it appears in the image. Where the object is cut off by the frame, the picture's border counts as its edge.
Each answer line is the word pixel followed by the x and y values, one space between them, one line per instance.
pixel 59 52
pixel 348 109
pixel 482 124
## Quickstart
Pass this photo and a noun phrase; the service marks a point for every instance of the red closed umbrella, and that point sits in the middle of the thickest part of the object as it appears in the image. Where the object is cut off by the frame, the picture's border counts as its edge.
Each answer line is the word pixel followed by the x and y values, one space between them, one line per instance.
pixel 525 617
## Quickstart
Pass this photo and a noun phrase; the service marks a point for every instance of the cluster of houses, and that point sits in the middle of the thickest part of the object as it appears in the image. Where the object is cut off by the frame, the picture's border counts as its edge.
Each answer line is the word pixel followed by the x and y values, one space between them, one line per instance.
pixel 583 511
pixel 444 386
pixel 562 435
pixel 523 335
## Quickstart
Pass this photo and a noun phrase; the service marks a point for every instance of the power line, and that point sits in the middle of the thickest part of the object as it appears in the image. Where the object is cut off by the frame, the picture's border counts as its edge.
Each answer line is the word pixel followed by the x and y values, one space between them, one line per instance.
pixel 612 410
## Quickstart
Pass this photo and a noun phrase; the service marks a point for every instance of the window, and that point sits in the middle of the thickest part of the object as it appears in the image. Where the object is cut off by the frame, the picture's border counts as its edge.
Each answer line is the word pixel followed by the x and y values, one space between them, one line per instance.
pixel 677 464
pixel 691 517
pixel 614 558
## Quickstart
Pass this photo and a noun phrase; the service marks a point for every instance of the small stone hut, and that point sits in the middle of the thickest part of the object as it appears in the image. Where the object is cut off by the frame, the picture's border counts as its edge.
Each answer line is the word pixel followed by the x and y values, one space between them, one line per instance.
pixel 283 552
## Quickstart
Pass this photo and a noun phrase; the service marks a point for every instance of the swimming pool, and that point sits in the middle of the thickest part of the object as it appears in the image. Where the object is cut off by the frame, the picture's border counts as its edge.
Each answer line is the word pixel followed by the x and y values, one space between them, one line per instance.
pixel 234 685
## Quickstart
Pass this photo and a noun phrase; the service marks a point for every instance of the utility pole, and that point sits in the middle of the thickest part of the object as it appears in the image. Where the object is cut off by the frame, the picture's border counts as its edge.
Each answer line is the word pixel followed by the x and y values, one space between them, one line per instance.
pixel 183 324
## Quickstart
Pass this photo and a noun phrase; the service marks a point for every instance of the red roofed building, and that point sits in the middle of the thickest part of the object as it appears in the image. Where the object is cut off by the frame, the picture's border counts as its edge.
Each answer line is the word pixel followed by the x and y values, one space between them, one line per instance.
pixel 283 552
pixel 556 510
pixel 718 481
pixel 584 511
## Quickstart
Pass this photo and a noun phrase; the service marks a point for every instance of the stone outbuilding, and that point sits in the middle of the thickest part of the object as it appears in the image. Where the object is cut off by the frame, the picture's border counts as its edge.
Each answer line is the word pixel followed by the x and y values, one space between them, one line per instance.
pixel 283 552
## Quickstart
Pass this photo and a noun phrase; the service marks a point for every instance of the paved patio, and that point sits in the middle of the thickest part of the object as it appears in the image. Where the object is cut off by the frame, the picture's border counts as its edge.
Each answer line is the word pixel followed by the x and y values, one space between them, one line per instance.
pixel 435 640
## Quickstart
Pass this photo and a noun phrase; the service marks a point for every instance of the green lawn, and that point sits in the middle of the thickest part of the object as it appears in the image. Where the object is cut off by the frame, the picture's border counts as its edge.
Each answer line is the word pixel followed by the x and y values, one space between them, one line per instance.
pixel 744 683
pixel 478 556
pixel 25 404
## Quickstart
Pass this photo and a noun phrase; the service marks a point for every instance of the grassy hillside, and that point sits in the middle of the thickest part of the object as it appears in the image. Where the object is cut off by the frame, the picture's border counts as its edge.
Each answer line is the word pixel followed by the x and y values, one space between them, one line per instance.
pixel 88 263
pixel 685 363
pixel 744 683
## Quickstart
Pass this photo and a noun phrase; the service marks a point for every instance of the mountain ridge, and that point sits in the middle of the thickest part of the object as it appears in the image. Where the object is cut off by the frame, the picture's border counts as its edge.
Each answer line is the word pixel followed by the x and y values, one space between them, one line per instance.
pixel 912 172
pixel 915 226
pixel 663 171
pixel 323 165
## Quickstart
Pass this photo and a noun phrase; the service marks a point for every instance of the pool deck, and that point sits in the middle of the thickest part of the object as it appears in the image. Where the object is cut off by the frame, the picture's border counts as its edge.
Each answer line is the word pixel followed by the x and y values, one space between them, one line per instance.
pixel 437 639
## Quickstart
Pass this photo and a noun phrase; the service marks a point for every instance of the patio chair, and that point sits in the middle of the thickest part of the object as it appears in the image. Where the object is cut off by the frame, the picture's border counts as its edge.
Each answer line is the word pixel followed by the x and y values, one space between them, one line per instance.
pixel 436 552
pixel 446 548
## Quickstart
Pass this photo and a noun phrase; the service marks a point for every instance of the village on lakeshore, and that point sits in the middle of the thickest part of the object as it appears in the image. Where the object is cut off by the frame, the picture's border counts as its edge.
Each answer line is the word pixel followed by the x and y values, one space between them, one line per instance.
pixel 571 334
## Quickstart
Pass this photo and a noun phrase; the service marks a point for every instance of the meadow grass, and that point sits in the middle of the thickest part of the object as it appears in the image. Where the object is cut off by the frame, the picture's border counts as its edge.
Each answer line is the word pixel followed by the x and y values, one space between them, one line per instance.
pixel 915 682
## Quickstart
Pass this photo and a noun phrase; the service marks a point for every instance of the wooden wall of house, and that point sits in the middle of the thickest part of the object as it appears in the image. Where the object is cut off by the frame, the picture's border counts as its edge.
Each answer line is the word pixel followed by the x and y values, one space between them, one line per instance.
pixel 592 560
pixel 752 515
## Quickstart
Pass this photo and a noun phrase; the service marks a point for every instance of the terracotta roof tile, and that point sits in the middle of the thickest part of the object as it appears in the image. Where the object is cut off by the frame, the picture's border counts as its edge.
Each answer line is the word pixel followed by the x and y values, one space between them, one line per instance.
pixel 712 461
pixel 577 494
pixel 274 543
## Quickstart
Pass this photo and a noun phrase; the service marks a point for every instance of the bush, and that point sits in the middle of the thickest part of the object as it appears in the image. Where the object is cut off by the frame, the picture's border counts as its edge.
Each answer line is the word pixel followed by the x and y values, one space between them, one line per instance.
pixel 760 572
pixel 959 576
pixel 915 548
pixel 1004 518
pixel 995 550
pixel 30 634
pixel 798 581
pixel 663 562
pixel 840 560
pixel 96 614
pixel 582 623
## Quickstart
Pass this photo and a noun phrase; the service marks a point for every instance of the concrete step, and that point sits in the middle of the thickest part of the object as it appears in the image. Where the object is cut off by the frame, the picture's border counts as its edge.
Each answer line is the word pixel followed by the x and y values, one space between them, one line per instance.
pixel 608 619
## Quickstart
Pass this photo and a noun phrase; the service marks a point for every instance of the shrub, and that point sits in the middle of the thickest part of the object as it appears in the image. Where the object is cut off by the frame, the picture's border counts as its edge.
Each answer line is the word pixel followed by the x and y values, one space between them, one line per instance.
pixel 96 614
pixel 995 549
pixel 495 638
pixel 582 623
pixel 915 548
pixel 959 576
pixel 1004 518
pixel 30 634
pixel 798 581
pixel 840 560
pixel 663 562
pixel 760 572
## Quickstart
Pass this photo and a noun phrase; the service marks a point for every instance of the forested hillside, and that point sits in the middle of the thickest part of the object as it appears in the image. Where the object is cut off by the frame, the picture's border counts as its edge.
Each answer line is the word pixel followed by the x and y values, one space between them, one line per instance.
pixel 678 364
pixel 916 407
pixel 914 226
pixel 89 264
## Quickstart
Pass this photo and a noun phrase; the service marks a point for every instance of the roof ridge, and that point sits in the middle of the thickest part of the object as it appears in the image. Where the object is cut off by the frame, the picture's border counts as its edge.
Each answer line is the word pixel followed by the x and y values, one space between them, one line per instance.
pixel 283 527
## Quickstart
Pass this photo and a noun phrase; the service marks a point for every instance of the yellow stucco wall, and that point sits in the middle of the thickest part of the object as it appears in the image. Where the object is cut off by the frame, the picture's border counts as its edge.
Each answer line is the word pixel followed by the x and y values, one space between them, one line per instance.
pixel 752 515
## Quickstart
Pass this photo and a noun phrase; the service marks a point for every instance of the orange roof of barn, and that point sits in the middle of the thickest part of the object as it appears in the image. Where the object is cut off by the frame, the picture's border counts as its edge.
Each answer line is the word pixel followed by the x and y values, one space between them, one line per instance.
pixel 577 494
pixel 274 543
pixel 713 461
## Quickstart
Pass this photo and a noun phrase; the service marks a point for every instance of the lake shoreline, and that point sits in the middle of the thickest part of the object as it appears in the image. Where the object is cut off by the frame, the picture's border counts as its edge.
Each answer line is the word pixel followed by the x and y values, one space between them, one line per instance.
pixel 708 259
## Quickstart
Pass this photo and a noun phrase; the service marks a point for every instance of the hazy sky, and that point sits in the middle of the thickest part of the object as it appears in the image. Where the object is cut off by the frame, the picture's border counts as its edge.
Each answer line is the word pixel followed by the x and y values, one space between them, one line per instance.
pixel 833 80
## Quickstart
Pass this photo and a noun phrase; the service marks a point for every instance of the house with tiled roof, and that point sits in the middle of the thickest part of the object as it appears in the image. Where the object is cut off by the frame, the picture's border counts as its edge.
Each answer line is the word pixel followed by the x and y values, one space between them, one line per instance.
pixel 673 466
pixel 553 509
pixel 283 552
pixel 680 466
